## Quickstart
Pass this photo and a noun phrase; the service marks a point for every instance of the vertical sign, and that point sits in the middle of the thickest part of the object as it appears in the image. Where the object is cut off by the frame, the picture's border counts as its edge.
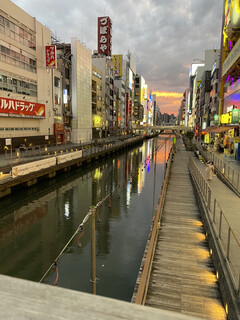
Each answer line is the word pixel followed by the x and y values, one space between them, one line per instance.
pixel 235 116
pixel 105 36
pixel 117 65
pixel 51 61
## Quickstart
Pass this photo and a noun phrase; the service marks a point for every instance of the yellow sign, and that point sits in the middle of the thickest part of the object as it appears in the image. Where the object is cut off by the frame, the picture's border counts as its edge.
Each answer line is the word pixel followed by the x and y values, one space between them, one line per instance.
pixel 117 65
pixel 225 118
pixel 97 121
pixel 206 138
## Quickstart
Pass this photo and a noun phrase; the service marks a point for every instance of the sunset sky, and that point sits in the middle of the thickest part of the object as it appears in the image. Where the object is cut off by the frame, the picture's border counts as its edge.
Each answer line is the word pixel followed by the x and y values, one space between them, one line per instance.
pixel 165 36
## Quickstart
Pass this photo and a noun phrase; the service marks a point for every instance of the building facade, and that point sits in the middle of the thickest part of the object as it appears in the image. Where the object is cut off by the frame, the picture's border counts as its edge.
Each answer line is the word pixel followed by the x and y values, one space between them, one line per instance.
pixel 26 95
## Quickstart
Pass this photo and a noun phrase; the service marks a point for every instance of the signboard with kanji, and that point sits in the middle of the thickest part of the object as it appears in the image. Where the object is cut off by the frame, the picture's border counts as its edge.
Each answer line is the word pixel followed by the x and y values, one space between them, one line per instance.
pixel 105 36
pixel 117 65
pixel 17 108
pixel 51 59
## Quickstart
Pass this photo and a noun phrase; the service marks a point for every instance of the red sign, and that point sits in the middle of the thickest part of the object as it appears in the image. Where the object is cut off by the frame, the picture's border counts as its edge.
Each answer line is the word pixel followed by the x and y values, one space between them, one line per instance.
pixel 51 61
pixel 105 36
pixel 19 108
pixel 58 127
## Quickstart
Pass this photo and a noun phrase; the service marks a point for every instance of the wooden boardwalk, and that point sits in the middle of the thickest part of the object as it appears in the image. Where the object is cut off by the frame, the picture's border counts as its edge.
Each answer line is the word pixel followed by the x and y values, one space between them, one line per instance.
pixel 183 278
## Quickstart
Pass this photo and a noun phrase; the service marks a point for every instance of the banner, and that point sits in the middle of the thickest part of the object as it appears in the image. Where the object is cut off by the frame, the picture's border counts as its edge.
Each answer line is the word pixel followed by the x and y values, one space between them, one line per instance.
pixel 18 108
pixel 51 59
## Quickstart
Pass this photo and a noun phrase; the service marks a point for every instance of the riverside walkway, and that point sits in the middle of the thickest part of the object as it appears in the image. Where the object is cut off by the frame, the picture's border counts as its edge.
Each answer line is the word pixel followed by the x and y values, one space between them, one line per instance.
pixel 183 277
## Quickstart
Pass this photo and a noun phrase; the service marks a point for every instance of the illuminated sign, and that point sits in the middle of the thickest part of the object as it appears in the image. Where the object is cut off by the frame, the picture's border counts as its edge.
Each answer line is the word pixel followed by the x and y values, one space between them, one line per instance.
pixel 18 108
pixel 51 61
pixel 225 118
pixel 235 116
pixel 65 96
pixel 105 36
pixel 117 65
pixel 97 121
pixel 130 82
pixel 216 119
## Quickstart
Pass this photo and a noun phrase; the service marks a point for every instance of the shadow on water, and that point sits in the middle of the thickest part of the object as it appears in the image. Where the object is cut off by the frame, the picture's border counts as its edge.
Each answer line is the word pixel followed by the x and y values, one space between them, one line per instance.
pixel 36 223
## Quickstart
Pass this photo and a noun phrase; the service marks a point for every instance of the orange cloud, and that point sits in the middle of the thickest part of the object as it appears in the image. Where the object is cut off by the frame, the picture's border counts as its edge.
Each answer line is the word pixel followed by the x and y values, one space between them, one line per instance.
pixel 168 102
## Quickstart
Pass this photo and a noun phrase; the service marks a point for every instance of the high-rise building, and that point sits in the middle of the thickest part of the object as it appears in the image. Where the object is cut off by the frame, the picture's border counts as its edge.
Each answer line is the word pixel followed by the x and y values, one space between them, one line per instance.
pixel 81 92
pixel 26 94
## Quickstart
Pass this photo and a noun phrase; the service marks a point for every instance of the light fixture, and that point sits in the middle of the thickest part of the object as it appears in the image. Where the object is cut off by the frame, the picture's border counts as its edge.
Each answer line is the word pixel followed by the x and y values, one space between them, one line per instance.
pixel 8 95
pixel 24 97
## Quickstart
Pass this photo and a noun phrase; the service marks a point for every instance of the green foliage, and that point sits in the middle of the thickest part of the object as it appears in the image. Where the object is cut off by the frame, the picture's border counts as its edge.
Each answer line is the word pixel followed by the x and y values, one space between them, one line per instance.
pixel 189 134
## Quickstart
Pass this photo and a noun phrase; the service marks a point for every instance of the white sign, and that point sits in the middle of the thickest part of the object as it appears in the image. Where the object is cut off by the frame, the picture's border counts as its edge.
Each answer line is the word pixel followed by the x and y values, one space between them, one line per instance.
pixel 8 142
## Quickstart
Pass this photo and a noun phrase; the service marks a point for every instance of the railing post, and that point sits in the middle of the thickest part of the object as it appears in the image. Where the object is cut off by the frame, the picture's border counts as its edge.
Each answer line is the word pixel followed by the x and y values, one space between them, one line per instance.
pixel 220 224
pixel 209 199
pixel 228 243
pixel 214 210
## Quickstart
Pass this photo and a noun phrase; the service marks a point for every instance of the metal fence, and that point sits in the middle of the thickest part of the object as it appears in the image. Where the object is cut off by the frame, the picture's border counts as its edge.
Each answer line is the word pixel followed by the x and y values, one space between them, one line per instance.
pixel 228 241
pixel 233 176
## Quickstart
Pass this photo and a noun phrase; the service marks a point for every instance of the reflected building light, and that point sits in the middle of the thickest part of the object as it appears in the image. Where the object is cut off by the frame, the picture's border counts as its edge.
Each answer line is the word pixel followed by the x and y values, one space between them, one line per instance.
pixel 67 211
pixel 97 174
pixel 128 198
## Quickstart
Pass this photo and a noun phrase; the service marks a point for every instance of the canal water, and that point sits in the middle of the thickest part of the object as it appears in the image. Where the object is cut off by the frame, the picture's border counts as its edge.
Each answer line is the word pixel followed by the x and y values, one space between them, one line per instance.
pixel 36 223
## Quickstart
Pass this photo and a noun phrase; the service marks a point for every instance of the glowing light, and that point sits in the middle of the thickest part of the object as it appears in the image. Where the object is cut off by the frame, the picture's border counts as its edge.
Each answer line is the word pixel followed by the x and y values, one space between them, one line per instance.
pixel 168 94
pixel 226 308
pixel 67 211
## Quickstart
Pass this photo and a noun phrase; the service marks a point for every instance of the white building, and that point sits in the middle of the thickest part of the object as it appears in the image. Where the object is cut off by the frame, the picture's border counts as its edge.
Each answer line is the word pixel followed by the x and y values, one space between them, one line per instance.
pixel 26 97
pixel 81 92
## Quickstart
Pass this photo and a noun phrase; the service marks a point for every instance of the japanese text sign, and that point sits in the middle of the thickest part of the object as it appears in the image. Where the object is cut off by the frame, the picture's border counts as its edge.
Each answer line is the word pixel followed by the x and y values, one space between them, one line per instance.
pixel 104 36
pixel 51 61
pixel 117 65
pixel 17 108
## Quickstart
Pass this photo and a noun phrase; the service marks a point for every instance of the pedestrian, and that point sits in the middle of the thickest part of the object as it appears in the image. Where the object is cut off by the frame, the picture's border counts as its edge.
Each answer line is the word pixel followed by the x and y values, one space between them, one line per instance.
pixel 209 170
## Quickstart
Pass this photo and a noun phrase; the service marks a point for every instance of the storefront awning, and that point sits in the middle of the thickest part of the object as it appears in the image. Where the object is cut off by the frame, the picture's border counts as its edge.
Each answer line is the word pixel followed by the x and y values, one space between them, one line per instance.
pixel 221 128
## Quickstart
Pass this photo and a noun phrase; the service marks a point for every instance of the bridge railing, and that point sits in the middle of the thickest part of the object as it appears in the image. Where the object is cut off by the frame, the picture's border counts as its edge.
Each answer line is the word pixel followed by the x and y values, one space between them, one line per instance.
pixel 228 241
pixel 230 174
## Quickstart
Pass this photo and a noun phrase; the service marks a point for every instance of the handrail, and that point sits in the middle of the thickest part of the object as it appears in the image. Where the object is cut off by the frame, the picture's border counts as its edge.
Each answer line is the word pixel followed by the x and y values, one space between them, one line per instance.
pixel 232 175
pixel 143 284
pixel 230 244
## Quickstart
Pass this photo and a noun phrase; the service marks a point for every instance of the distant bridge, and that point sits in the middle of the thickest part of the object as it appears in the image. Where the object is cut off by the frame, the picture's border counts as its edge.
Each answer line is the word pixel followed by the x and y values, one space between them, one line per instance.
pixel 163 127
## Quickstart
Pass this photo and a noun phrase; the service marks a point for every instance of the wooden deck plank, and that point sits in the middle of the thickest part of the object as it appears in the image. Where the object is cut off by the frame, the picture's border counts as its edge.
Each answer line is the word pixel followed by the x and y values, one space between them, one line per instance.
pixel 183 277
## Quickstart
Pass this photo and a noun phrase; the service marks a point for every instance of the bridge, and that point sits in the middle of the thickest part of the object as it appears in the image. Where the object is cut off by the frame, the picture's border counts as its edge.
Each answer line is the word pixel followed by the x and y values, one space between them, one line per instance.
pixel 163 127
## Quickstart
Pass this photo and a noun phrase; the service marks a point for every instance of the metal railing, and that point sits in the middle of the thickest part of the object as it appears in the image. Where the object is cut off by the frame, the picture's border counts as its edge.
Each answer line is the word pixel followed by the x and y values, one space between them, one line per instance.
pixel 228 242
pixel 232 175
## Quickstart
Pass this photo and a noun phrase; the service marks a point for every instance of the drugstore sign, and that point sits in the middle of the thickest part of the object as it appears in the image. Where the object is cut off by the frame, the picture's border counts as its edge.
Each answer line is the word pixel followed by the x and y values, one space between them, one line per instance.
pixel 18 108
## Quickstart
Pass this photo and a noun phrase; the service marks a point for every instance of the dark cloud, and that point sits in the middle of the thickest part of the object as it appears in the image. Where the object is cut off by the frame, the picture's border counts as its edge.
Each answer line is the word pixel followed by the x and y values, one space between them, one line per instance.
pixel 165 35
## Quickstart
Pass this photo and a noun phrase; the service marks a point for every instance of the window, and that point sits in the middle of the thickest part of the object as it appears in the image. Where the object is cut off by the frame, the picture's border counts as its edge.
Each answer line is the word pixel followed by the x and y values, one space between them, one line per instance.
pixel 56 82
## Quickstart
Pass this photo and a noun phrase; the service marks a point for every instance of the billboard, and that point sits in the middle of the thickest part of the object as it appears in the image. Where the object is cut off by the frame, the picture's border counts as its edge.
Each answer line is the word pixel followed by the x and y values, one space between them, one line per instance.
pixel 105 36
pixel 117 65
pixel 18 108
pixel 51 59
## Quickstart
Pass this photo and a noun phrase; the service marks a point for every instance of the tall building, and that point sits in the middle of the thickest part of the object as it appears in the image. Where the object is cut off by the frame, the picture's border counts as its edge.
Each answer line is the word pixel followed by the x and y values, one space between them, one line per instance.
pixel 104 64
pixel 97 101
pixel 26 94
pixel 63 112
pixel 81 92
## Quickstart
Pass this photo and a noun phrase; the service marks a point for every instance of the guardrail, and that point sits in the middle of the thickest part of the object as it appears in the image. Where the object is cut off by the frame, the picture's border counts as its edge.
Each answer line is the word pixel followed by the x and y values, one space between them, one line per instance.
pixel 228 242
pixel 223 167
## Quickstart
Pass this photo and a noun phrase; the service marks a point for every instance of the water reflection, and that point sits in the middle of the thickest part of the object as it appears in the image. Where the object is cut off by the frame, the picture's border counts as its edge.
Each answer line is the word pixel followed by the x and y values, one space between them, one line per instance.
pixel 36 224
